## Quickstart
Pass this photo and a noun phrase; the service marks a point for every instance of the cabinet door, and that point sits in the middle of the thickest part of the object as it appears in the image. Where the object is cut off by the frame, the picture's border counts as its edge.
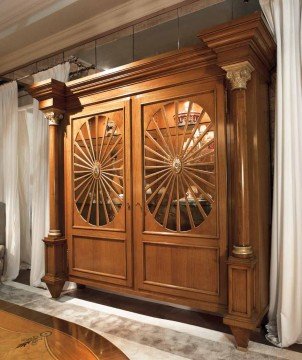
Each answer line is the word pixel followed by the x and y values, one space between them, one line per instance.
pixel 179 162
pixel 98 192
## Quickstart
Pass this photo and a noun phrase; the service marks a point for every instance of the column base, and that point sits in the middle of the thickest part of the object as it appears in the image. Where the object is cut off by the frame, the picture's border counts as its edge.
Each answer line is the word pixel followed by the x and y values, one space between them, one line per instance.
pixel 54 285
pixel 55 264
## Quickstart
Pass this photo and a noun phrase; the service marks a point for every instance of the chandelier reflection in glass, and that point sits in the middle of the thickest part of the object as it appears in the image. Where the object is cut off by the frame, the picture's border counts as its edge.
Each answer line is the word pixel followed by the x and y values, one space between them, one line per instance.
pixel 180 165
pixel 98 170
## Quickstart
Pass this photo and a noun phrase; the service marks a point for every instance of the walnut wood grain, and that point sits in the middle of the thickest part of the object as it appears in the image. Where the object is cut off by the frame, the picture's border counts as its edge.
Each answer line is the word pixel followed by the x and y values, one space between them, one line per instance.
pixel 136 253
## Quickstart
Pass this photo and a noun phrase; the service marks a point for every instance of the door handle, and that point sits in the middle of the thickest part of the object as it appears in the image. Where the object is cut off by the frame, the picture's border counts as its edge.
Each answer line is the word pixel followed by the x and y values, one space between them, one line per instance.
pixel 128 206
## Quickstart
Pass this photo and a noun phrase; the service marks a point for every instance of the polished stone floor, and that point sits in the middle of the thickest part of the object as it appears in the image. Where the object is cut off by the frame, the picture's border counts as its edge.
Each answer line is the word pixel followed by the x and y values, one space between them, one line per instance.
pixel 140 337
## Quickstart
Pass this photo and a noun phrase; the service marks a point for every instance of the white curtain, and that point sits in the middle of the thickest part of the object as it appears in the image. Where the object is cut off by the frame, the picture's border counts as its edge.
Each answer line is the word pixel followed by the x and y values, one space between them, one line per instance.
pixel 9 175
pixel 40 194
pixel 24 170
pixel 285 312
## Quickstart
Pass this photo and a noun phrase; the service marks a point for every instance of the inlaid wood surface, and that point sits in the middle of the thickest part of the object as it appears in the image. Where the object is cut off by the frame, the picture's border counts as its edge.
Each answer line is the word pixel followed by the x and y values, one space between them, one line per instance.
pixel 27 334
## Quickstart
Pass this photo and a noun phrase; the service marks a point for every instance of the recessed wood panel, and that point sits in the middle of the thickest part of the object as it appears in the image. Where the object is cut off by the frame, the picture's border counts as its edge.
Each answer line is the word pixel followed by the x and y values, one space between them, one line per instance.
pixel 239 292
pixel 194 268
pixel 104 257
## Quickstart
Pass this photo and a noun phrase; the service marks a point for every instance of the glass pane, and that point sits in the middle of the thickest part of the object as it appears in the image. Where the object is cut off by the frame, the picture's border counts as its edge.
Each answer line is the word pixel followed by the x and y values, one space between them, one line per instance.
pixel 180 165
pixel 156 36
pixel 98 170
pixel 115 49
pixel 241 8
pixel 49 62
pixel 85 53
pixel 190 25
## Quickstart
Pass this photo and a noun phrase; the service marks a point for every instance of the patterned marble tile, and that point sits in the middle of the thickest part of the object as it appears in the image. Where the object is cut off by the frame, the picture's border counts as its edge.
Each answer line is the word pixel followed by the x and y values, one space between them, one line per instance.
pixel 144 341
pixel 16 296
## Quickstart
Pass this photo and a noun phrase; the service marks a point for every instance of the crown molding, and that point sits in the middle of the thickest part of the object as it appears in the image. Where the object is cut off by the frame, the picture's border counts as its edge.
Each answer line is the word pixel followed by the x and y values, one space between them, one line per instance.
pixel 51 95
pixel 97 25
pixel 245 39
pixel 55 95
pixel 142 70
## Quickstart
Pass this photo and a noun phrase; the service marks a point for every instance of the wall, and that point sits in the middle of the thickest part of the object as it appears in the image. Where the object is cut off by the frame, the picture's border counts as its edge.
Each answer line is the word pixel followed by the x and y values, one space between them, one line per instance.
pixel 171 30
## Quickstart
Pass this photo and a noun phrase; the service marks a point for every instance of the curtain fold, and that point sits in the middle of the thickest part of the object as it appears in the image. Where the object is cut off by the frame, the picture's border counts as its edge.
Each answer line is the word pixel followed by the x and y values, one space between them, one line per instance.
pixel 40 185
pixel 285 311
pixel 9 174
pixel 24 170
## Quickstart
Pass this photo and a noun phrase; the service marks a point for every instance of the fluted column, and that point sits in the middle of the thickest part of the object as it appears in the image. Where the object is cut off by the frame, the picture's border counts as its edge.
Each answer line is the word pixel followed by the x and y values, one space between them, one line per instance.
pixel 239 74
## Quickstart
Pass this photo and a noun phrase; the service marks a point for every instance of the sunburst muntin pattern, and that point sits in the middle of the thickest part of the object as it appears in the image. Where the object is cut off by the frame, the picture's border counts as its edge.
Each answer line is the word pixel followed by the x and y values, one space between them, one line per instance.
pixel 98 170
pixel 180 165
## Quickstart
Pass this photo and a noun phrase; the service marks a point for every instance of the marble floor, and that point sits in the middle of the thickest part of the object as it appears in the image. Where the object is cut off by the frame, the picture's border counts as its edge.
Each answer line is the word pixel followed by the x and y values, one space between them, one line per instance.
pixel 140 337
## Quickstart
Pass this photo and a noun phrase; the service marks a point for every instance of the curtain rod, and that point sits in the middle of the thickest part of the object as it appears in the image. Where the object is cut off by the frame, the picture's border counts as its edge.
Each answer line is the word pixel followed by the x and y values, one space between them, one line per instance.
pixel 82 64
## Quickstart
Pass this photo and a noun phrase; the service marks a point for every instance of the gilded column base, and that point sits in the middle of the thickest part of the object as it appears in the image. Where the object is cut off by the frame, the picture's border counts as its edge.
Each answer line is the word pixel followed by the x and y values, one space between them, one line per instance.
pixel 244 251
pixel 55 233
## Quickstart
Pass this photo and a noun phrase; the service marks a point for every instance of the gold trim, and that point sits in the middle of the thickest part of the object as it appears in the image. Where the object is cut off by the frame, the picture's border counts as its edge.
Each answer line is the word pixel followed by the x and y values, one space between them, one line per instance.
pixel 239 74
pixel 244 250
pixel 54 233
pixel 53 118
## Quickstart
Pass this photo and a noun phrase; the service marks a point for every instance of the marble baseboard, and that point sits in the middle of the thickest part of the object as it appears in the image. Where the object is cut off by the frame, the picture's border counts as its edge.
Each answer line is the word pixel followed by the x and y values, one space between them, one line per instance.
pixel 141 337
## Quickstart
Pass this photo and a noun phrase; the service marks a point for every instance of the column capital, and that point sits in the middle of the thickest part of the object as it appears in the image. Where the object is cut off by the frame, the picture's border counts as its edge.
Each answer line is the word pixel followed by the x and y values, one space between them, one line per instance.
pixel 54 118
pixel 239 74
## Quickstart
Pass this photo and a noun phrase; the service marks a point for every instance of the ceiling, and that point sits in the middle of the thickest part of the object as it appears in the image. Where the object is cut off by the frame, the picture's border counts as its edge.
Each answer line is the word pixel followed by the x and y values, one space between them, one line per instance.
pixel 32 29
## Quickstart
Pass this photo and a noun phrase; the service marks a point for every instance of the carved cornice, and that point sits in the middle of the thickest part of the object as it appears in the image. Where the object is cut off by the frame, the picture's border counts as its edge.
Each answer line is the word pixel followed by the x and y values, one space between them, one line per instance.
pixel 142 70
pixel 51 95
pixel 239 74
pixel 54 118
pixel 245 39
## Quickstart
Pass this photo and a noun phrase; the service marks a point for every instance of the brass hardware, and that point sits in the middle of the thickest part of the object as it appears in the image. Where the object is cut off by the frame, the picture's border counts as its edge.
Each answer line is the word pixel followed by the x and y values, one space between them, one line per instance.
pixel 128 206
pixel 96 170
pixel 54 233
pixel 177 165
pixel 242 251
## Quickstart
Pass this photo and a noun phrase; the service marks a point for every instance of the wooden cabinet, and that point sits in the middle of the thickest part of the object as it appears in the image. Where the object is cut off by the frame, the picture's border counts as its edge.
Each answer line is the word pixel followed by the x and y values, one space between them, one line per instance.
pixel 166 176
pixel 98 186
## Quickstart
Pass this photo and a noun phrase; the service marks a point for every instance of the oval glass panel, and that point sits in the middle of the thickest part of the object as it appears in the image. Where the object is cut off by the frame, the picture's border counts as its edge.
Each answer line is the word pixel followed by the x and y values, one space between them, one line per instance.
pixel 98 170
pixel 180 165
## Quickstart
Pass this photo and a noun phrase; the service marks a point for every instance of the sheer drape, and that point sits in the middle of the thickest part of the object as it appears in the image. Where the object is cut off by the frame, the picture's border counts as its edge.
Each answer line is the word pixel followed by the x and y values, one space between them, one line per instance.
pixel 9 174
pixel 285 313
pixel 40 197
pixel 24 169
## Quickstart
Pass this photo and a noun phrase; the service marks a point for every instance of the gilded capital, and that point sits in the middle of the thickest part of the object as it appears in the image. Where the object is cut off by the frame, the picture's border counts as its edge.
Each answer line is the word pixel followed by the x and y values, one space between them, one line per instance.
pixel 239 74
pixel 53 118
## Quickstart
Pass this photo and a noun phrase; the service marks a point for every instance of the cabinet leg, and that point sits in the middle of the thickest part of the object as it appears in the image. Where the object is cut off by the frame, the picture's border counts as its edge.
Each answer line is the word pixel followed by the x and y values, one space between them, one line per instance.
pixel 81 286
pixel 241 336
pixel 55 289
